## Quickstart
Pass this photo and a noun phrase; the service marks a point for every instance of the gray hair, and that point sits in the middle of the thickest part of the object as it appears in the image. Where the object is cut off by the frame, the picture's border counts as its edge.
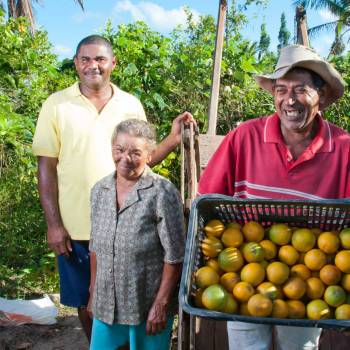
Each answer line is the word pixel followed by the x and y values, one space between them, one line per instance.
pixel 137 128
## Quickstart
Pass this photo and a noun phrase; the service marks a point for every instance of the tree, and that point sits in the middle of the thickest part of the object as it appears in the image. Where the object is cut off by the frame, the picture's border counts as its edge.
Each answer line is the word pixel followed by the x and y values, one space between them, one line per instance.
pixel 283 34
pixel 264 41
pixel 341 26
pixel 24 8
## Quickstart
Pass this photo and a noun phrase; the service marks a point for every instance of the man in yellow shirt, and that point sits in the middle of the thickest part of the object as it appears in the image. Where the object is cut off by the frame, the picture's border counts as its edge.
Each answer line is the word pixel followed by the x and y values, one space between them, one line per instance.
pixel 72 142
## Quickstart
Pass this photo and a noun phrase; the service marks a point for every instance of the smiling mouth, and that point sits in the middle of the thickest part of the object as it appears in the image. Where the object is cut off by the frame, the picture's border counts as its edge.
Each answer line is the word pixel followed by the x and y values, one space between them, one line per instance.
pixel 294 114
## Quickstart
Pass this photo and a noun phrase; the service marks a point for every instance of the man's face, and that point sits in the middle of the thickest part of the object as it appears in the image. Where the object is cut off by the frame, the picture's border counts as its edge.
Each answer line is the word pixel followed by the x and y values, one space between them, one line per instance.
pixel 94 64
pixel 297 101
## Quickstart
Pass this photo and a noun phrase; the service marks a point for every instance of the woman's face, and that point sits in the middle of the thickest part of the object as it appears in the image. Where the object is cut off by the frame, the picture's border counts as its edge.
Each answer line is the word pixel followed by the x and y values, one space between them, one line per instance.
pixel 130 155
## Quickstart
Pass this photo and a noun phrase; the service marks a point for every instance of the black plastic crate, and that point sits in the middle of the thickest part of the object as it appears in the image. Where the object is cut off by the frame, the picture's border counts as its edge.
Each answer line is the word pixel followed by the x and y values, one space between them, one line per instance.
pixel 327 215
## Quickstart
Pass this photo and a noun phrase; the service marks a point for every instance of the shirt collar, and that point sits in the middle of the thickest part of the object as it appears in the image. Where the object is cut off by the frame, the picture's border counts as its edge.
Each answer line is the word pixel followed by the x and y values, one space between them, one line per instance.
pixel 74 90
pixel 322 142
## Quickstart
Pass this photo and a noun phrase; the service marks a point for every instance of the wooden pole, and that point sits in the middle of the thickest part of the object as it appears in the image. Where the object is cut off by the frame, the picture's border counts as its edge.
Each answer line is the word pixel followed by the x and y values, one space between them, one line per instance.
pixel 300 17
pixel 215 85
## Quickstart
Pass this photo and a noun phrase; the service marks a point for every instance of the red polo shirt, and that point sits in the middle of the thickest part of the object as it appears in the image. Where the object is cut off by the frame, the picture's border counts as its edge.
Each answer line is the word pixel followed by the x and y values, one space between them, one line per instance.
pixel 254 162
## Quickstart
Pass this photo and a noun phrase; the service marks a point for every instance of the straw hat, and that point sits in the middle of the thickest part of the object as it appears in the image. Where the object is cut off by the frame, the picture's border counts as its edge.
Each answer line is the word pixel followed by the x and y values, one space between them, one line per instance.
pixel 304 57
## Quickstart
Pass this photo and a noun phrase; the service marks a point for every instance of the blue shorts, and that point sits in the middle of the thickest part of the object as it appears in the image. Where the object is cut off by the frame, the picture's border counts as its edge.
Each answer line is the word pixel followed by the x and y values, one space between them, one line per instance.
pixel 75 275
pixel 110 337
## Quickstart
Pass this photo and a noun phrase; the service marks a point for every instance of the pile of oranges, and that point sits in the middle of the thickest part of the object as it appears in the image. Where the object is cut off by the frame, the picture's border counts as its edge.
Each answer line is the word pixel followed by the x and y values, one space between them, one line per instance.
pixel 280 271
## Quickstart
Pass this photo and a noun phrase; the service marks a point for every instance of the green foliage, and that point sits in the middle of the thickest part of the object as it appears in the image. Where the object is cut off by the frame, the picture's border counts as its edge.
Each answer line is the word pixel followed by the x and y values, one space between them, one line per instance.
pixel 264 41
pixel 283 34
pixel 168 74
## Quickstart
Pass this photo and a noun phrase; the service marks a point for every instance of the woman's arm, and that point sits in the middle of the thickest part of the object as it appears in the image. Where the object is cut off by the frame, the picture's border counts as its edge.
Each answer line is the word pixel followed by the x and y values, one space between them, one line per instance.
pixel 92 281
pixel 157 316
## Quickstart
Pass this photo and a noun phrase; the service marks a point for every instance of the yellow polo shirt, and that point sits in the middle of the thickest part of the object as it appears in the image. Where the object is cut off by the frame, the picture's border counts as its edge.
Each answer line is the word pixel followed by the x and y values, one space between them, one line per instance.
pixel 70 128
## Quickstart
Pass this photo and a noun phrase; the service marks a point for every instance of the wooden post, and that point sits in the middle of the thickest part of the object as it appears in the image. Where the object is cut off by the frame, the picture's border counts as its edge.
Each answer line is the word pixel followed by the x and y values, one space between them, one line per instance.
pixel 300 17
pixel 215 85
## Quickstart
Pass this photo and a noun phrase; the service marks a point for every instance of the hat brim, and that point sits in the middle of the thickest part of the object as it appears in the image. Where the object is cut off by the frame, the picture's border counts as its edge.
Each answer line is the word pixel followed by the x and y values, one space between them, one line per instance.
pixel 334 88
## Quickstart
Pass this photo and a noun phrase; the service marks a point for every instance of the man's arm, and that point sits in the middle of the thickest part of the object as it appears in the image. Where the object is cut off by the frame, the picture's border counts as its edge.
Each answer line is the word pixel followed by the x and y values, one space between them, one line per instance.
pixel 57 236
pixel 172 140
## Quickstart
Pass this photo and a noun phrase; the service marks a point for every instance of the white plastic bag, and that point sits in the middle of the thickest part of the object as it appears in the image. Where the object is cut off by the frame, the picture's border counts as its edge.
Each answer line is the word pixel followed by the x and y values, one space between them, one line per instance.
pixel 17 312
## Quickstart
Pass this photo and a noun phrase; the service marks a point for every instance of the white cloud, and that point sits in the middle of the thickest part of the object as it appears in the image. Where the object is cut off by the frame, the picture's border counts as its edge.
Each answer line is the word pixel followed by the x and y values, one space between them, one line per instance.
pixel 81 17
pixel 154 15
pixel 62 50
pixel 327 16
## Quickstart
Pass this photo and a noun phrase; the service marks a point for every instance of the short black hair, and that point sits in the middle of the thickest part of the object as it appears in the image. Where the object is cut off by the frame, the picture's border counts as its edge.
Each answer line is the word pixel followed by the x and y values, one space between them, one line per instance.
pixel 94 39
pixel 317 80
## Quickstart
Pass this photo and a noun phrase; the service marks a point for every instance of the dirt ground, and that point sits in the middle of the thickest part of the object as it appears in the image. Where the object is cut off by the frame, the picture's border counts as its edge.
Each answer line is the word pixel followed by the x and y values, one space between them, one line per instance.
pixel 66 334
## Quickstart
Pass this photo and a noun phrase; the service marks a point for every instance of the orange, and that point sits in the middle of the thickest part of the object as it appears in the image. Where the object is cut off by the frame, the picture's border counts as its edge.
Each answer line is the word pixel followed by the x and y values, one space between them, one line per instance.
pixel 232 237
pixel 330 274
pixel 213 263
pixel 328 242
pixel 315 259
pixel 345 282
pixel 342 312
pixel 288 254
pixel 317 309
pixel 296 309
pixel 214 297
pixel 300 270
pixel 198 298
pixel 231 305
pixel 214 228
pixel 253 231
pixel 314 288
pixel 268 289
pixel 294 288
pixel 206 276
pixel 344 236
pixel 230 259
pixel 243 309
pixel 253 273
pixel 279 309
pixel 234 224
pixel 334 296
pixel 270 249
pixel 242 291
pixel 277 272
pixel 303 240
pixel 211 246
pixel 259 305
pixel 253 252
pixel 280 234
pixel 229 280
pixel 342 260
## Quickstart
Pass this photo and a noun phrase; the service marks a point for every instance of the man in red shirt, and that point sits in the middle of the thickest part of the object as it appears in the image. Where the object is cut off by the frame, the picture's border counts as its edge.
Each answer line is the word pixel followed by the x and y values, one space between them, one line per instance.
pixel 283 156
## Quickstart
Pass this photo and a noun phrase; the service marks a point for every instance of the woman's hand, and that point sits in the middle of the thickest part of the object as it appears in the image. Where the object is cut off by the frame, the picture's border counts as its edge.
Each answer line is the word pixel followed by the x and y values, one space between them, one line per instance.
pixel 157 318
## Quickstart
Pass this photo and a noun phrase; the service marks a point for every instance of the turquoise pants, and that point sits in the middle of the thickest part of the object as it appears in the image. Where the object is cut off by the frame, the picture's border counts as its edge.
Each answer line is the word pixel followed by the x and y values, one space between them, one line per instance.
pixel 110 337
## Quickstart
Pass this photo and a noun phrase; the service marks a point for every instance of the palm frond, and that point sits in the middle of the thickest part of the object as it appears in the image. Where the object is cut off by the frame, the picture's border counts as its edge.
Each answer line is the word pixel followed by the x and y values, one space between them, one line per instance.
pixel 80 3
pixel 322 27
pixel 336 7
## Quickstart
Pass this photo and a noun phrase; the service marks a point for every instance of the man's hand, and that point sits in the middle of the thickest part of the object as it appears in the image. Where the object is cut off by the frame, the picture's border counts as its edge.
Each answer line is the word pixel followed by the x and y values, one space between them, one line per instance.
pixel 185 118
pixel 156 320
pixel 59 241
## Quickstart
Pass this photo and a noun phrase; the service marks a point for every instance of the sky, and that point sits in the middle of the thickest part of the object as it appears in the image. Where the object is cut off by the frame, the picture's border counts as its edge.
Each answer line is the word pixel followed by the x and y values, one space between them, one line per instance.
pixel 67 24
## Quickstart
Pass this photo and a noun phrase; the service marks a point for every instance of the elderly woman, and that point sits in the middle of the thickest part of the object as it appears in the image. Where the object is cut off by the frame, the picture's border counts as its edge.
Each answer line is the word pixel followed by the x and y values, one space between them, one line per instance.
pixel 137 247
